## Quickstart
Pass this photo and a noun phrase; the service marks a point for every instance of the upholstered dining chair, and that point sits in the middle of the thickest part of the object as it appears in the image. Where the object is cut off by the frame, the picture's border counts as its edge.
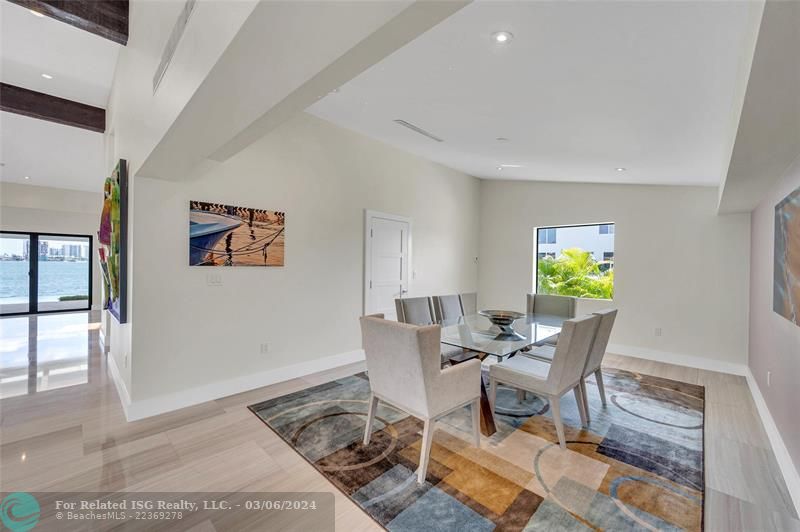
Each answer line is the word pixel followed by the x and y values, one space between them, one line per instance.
pixel 469 303
pixel 564 306
pixel 419 311
pixel 404 371
pixel 415 310
pixel 551 380
pixel 595 359
pixel 447 307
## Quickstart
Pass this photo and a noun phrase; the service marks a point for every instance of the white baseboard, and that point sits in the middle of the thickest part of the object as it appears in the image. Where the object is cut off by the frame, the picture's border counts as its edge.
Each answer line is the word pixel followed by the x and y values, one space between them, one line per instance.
pixel 122 390
pixel 787 467
pixel 166 403
pixel 679 359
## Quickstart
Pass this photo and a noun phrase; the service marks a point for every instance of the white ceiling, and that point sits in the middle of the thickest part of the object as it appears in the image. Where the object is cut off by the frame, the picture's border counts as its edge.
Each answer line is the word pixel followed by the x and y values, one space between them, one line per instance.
pixel 52 155
pixel 583 88
pixel 82 68
pixel 81 63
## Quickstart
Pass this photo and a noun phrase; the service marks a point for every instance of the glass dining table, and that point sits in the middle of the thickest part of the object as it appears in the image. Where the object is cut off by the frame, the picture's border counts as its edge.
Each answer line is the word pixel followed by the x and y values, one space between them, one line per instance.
pixel 481 339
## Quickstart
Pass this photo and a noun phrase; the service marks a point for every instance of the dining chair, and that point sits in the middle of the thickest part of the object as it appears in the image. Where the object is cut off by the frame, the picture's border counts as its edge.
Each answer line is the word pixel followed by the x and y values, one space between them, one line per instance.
pixel 564 306
pixel 555 379
pixel 469 303
pixel 419 311
pixel 447 307
pixel 404 371
pixel 595 359
pixel 415 310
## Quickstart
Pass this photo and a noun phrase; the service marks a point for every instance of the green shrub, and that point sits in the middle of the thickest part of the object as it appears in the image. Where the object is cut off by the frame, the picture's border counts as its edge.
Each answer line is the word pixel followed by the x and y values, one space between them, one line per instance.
pixel 575 273
pixel 72 298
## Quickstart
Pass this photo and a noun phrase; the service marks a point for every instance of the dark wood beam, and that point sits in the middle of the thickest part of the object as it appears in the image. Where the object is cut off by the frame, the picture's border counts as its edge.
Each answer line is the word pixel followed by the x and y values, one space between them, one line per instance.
pixel 45 107
pixel 106 18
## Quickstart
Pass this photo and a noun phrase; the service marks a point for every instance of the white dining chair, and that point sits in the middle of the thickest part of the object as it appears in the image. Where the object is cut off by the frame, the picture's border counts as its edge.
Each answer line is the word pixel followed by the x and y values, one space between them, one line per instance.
pixel 404 371
pixel 555 379
pixel 469 303
pixel 419 311
pixel 447 307
pixel 595 359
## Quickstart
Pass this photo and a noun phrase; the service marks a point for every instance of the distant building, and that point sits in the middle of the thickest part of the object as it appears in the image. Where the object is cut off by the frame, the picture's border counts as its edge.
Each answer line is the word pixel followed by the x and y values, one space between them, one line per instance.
pixel 597 239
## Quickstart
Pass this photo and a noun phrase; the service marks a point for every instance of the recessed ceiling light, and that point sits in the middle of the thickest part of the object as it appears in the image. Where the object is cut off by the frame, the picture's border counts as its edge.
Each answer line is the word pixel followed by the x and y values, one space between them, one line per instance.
pixel 27 177
pixel 502 37
pixel 500 168
pixel 501 139
pixel 620 169
pixel 36 13
pixel 47 76
pixel 511 166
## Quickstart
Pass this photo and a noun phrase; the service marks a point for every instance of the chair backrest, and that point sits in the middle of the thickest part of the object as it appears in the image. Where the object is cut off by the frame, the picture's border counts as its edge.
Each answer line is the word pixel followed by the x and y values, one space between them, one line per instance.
pixel 469 303
pixel 600 343
pixel 415 310
pixel 572 351
pixel 447 307
pixel 555 305
pixel 403 361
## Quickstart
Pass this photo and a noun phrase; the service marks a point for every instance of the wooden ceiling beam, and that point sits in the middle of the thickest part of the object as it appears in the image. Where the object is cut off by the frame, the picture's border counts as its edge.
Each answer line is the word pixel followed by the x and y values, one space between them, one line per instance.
pixel 45 107
pixel 106 18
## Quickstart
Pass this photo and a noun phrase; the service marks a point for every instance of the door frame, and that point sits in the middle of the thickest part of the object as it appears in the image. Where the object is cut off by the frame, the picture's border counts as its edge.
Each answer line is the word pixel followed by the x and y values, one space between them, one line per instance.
pixel 33 273
pixel 369 215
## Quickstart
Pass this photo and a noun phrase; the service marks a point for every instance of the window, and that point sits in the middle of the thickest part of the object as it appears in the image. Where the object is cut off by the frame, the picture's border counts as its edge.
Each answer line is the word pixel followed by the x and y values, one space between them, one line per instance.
pixel 547 235
pixel 574 267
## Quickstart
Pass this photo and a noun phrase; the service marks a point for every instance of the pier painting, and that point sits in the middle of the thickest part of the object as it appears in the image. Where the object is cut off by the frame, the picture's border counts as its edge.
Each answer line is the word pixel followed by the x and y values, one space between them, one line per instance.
pixel 225 235
pixel 786 295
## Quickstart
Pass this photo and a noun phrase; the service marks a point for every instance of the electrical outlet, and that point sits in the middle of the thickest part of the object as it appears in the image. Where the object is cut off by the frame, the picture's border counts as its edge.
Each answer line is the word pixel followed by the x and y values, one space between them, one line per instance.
pixel 658 331
pixel 769 379
pixel 264 349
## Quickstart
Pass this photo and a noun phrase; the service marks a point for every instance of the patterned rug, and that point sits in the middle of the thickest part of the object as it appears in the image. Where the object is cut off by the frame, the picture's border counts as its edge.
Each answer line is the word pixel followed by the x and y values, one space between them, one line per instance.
pixel 639 466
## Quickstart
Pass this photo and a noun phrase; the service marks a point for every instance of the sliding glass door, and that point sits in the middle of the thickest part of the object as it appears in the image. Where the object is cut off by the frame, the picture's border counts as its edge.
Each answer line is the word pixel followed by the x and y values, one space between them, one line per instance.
pixel 44 272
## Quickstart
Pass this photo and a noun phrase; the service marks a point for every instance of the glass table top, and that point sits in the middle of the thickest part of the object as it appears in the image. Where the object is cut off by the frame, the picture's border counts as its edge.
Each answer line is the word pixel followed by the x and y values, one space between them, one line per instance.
pixel 477 333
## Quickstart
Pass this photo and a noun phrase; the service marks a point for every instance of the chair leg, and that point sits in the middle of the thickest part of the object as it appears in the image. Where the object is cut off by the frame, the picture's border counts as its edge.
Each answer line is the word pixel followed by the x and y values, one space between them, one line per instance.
pixel 579 401
pixel 585 398
pixel 520 395
pixel 598 375
pixel 425 453
pixel 475 407
pixel 492 392
pixel 555 406
pixel 373 406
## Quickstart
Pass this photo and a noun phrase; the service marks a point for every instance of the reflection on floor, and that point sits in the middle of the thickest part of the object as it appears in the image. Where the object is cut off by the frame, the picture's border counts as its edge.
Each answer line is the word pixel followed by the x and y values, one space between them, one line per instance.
pixel 44 352
pixel 67 432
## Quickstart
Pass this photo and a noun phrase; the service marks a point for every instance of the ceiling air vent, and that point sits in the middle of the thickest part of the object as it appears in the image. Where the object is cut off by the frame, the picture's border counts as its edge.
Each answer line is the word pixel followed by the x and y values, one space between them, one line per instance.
pixel 419 130
pixel 172 43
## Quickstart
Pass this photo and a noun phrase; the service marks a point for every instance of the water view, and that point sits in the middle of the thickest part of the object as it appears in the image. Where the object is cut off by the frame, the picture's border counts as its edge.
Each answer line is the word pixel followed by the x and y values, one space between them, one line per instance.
pixel 56 280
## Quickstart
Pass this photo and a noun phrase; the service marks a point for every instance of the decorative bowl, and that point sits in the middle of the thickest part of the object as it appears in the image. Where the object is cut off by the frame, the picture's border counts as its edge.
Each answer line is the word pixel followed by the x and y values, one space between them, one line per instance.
pixel 501 318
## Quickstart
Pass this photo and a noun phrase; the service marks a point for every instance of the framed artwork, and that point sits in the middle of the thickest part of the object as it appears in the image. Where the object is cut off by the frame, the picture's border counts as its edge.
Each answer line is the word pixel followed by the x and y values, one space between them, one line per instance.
pixel 113 242
pixel 226 235
pixel 786 291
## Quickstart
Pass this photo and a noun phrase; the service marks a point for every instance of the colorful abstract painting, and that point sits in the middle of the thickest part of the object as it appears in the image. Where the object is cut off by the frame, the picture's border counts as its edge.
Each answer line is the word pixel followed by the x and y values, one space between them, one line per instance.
pixel 786 293
pixel 113 242
pixel 639 466
pixel 225 235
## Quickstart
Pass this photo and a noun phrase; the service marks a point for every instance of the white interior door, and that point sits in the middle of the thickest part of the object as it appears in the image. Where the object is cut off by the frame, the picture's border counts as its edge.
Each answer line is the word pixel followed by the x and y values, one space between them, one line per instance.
pixel 388 242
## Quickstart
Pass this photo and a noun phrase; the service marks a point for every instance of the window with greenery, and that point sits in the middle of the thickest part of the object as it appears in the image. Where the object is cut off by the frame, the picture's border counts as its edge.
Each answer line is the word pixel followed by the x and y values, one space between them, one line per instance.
pixel 580 263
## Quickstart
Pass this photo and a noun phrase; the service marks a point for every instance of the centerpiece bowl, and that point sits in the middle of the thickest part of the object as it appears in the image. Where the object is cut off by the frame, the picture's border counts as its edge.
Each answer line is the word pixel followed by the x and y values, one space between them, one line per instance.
pixel 504 320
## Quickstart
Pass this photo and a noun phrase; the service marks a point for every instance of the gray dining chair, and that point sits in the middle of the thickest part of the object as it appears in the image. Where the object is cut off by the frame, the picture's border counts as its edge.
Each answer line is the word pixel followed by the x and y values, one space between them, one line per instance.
pixel 404 372
pixel 447 307
pixel 564 306
pixel 469 303
pixel 419 311
pixel 552 380
pixel 595 359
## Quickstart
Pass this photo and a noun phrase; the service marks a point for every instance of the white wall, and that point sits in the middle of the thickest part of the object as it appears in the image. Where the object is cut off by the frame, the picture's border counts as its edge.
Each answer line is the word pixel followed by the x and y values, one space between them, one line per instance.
pixel 774 340
pixel 678 266
pixel 187 334
pixel 56 210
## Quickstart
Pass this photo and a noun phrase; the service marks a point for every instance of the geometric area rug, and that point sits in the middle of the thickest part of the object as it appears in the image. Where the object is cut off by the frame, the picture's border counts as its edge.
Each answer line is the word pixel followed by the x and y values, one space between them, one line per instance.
pixel 638 466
